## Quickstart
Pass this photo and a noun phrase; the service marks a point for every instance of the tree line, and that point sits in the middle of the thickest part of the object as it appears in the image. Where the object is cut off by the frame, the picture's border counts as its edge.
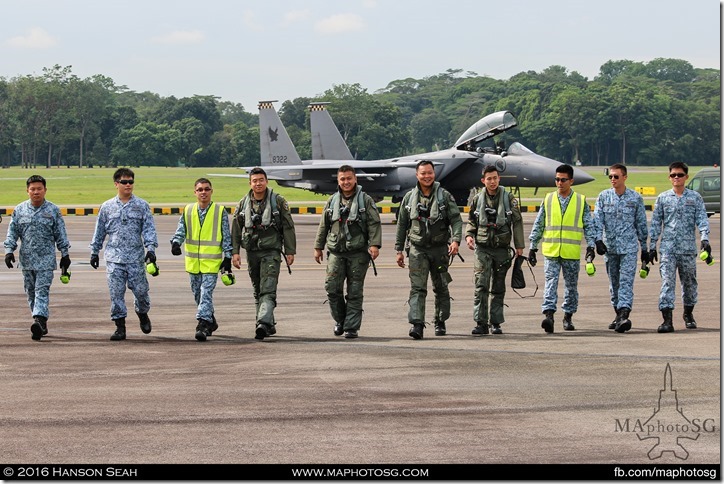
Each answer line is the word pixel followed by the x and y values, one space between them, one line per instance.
pixel 639 113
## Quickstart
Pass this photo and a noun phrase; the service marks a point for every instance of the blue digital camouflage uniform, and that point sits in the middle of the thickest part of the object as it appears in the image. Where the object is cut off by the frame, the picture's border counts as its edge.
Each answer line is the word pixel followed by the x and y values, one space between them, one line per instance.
pixel 40 230
pixel 618 219
pixel 675 219
pixel 570 267
pixel 203 285
pixel 131 232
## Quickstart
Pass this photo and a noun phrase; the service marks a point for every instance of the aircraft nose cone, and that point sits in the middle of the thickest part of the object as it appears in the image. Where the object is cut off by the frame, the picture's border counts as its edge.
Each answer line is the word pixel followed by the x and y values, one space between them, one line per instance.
pixel 581 176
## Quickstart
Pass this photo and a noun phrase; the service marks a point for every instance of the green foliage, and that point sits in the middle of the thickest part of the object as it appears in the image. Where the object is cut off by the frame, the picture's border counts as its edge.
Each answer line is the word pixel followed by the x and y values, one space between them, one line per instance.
pixel 640 113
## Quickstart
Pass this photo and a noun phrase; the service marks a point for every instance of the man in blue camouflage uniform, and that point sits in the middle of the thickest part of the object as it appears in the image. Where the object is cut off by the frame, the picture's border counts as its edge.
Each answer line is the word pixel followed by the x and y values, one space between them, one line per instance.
pixel 38 224
pixel 561 245
pixel 128 222
pixel 619 214
pixel 677 214
pixel 205 254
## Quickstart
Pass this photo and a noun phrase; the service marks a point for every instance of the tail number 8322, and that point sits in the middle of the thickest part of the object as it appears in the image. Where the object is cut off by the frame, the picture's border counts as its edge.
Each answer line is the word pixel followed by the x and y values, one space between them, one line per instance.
pixel 279 159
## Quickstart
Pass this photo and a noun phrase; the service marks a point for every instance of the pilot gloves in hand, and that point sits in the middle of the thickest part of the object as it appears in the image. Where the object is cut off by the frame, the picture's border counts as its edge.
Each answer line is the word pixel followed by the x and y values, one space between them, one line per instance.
pixel 65 263
pixel 94 261
pixel 175 248
pixel 601 247
pixel 9 259
pixel 532 257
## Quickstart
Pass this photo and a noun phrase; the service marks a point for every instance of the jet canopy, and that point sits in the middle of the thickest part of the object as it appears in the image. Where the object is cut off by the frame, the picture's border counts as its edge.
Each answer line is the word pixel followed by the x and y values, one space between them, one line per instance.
pixel 487 127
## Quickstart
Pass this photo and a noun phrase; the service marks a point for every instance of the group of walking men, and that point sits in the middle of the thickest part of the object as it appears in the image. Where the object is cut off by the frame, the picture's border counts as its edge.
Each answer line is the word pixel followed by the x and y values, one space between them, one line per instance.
pixel 429 233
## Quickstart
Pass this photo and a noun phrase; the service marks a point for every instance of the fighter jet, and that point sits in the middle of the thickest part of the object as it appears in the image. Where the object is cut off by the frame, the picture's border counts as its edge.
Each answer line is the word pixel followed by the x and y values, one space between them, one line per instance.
pixel 457 168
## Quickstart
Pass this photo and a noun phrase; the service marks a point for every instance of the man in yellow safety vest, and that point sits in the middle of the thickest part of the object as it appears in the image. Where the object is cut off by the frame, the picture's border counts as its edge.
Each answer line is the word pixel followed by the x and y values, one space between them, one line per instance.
pixel 562 222
pixel 203 229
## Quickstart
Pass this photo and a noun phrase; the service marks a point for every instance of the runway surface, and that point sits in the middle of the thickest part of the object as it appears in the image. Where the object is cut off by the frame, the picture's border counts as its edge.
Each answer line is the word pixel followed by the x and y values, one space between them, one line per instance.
pixel 306 396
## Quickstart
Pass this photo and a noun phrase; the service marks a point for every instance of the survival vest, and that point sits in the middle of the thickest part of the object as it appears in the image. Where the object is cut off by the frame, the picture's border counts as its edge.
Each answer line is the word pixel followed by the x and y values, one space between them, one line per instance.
pixel 428 226
pixel 563 232
pixel 261 231
pixel 202 247
pixel 346 226
pixel 496 234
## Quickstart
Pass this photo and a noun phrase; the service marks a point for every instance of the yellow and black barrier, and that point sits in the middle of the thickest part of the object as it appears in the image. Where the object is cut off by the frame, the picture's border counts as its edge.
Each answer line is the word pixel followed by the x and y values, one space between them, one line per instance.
pixel 296 210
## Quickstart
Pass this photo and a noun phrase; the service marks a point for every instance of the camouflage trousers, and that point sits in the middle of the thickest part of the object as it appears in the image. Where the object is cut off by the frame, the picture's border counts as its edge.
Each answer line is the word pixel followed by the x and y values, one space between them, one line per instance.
pixel 263 267
pixel 349 268
pixel 134 276
pixel 37 289
pixel 686 265
pixel 621 270
pixel 491 267
pixel 552 269
pixel 203 285
pixel 432 261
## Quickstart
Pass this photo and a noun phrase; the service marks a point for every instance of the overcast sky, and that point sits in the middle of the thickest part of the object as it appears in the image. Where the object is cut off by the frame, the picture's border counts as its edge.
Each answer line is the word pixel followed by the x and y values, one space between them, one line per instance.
pixel 247 51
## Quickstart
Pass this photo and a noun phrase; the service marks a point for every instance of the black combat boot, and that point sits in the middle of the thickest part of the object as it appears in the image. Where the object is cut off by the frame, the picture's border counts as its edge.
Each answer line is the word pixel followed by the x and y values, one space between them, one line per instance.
pixel 339 329
pixel 689 317
pixel 481 328
pixel 213 325
pixel 417 330
pixel 120 333
pixel 202 330
pixel 497 329
pixel 145 322
pixel 667 326
pixel 39 327
pixel 624 324
pixel 440 329
pixel 547 323
pixel 568 322
pixel 262 331
pixel 616 320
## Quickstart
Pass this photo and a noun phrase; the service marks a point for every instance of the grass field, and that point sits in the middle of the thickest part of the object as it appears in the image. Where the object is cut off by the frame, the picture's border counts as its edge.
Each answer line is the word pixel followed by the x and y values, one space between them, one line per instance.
pixel 92 186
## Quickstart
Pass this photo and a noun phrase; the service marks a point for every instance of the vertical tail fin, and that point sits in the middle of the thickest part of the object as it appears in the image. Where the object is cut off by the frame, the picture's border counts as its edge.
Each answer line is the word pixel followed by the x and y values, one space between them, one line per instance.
pixel 327 142
pixel 275 144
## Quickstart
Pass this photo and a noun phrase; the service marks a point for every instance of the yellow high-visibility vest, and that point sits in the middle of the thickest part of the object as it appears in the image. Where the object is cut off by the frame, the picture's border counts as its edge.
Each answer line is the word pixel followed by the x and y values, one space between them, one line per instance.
pixel 563 232
pixel 202 247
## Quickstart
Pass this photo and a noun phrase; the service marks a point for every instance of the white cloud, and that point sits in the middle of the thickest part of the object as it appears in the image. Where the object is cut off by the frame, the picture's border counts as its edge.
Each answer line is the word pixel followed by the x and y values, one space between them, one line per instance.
pixel 180 37
pixel 341 23
pixel 295 16
pixel 36 38
pixel 250 21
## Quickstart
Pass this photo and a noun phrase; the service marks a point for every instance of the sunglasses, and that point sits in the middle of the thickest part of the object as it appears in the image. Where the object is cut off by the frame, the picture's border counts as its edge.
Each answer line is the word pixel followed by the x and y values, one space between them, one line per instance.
pixel 677 175
pixel 562 180
pixel 613 177
pixel 205 189
pixel 125 182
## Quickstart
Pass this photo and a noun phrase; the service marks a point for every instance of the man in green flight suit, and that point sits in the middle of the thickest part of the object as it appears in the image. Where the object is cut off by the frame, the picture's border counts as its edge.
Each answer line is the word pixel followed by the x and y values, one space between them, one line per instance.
pixel 494 220
pixel 351 230
pixel 430 220
pixel 264 227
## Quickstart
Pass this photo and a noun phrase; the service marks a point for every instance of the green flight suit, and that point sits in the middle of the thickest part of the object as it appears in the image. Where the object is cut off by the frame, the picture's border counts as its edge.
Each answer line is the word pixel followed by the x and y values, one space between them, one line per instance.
pixel 256 229
pixel 347 229
pixel 428 230
pixel 493 235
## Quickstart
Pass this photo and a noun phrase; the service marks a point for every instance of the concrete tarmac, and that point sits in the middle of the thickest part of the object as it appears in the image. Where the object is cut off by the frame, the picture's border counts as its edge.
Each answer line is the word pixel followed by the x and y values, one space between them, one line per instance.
pixel 589 396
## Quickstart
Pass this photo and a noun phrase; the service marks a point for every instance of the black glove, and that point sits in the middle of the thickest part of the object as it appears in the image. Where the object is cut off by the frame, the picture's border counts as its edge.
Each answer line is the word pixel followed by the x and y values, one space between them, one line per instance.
pixel 532 257
pixel 9 259
pixel 644 257
pixel 653 256
pixel 64 263
pixel 601 247
pixel 705 246
pixel 150 257
pixel 175 248
pixel 590 254
pixel 95 261
pixel 226 265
